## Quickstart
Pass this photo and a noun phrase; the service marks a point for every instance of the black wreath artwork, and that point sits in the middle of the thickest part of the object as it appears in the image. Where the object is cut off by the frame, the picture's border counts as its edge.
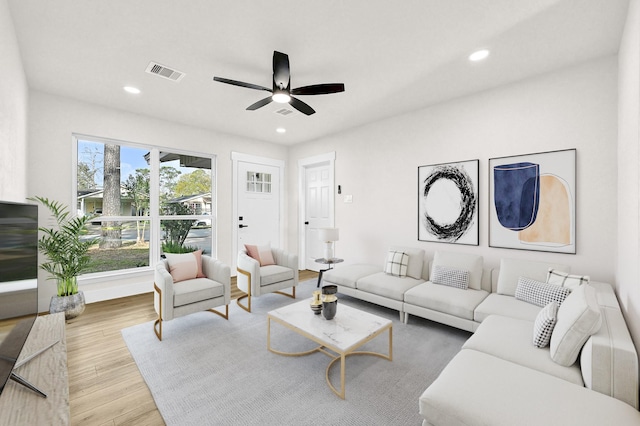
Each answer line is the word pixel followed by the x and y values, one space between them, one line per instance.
pixel 451 232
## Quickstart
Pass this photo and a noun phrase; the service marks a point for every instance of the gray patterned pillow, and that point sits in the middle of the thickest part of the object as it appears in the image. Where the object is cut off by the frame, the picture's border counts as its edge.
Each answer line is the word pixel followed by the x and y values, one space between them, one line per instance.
pixel 451 277
pixel 544 324
pixel 397 263
pixel 538 293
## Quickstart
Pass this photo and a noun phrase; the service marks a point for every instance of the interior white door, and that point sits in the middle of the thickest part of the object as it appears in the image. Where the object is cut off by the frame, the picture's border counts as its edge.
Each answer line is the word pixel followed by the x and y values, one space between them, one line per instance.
pixel 318 190
pixel 258 204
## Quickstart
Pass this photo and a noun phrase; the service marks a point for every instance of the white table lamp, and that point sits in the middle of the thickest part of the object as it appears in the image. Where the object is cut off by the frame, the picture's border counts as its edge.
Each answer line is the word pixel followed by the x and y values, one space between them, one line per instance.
pixel 328 236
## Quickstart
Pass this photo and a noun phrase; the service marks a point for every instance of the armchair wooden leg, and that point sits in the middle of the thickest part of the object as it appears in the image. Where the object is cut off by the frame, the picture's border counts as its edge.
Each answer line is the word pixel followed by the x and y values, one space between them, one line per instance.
pixel 248 294
pixel 157 325
pixel 225 315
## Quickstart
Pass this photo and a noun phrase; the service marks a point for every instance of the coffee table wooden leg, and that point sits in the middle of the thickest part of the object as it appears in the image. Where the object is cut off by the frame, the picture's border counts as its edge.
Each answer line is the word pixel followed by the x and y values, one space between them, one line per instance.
pixel 269 333
pixel 342 375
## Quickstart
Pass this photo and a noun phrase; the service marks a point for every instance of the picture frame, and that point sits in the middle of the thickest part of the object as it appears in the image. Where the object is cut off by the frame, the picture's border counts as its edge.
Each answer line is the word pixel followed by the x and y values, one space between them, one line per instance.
pixel 532 201
pixel 448 202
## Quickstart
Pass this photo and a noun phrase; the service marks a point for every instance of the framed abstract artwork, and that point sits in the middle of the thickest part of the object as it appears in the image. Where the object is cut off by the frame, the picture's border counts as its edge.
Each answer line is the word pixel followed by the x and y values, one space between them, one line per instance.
pixel 448 203
pixel 532 202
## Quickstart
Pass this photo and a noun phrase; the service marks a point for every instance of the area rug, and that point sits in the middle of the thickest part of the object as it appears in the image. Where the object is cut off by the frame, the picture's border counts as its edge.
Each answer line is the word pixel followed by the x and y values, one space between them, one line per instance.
pixel 208 371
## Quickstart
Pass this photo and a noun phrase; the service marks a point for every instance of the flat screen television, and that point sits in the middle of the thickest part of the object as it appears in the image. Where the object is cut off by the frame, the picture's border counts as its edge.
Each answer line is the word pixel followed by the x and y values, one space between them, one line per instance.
pixel 18 281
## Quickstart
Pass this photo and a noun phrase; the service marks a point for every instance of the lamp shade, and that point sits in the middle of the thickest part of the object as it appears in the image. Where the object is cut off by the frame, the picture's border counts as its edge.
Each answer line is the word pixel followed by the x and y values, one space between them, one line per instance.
pixel 328 234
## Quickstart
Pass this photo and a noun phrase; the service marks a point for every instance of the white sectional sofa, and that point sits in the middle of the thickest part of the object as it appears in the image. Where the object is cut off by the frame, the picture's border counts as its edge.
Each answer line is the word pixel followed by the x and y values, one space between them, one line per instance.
pixel 500 377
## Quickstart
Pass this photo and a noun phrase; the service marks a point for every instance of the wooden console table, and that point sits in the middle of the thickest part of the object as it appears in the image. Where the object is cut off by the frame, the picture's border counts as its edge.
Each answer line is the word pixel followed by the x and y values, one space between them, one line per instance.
pixel 48 372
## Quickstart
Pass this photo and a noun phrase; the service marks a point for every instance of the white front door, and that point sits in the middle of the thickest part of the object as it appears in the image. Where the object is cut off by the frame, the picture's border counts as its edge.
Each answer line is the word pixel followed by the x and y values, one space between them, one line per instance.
pixel 318 211
pixel 257 208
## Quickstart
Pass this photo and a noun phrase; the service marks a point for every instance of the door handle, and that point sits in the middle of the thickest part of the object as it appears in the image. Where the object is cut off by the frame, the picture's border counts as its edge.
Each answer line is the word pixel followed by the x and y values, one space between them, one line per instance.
pixel 243 226
pixel 306 223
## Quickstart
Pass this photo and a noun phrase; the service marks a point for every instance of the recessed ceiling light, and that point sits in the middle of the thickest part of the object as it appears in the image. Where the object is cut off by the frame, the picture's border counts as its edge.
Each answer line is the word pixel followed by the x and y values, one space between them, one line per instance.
pixel 131 89
pixel 479 55
pixel 281 130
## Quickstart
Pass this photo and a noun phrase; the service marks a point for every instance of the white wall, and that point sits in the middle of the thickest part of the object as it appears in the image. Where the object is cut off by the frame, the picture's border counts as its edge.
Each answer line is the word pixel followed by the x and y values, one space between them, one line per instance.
pixel 53 120
pixel 13 113
pixel 377 164
pixel 628 273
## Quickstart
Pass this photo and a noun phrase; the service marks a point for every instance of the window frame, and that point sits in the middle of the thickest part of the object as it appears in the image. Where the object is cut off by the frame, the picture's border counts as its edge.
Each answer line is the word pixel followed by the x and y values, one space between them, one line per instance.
pixel 154 216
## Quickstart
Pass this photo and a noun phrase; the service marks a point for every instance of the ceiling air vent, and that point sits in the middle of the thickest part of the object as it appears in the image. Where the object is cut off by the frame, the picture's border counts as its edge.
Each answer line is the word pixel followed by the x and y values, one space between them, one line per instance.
pixel 284 111
pixel 164 72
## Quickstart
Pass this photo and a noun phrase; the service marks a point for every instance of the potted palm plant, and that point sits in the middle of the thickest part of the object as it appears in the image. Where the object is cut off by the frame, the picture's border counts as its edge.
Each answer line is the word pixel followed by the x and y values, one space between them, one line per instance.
pixel 67 256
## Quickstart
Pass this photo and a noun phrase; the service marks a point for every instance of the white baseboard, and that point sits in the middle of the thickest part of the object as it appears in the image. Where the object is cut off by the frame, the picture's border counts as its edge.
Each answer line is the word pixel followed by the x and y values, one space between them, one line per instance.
pixel 116 291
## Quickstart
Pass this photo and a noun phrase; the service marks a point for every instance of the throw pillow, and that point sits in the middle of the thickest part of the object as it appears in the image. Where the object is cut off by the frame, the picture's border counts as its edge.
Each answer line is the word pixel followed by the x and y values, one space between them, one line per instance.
pixel 578 318
pixel 184 266
pixel 565 280
pixel 544 324
pixel 415 262
pixel 396 264
pixel 466 262
pixel 539 293
pixel 512 269
pixel 451 277
pixel 262 254
pixel 198 255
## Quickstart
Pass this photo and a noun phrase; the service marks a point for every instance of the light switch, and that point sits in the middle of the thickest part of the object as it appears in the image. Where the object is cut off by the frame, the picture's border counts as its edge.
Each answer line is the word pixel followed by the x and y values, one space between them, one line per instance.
pixel 348 198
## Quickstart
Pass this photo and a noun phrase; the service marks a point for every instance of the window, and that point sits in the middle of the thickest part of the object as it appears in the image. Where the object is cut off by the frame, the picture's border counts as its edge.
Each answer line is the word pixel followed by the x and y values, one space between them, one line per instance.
pixel 136 220
pixel 258 182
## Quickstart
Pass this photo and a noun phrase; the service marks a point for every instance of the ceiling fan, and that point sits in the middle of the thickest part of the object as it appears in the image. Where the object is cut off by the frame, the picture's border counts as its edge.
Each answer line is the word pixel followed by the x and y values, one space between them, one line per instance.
pixel 281 91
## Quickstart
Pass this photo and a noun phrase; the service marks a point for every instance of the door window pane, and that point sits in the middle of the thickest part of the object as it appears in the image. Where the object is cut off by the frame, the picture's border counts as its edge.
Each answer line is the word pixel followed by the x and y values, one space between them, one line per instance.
pixel 258 182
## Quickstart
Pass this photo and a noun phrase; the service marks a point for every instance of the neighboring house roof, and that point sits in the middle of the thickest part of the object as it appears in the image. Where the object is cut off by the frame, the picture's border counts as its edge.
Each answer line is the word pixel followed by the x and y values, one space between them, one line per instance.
pixel 99 193
pixel 187 198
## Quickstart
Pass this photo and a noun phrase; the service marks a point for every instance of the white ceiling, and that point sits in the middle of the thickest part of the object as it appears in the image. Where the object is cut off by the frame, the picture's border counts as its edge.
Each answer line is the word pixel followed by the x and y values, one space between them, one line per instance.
pixel 393 57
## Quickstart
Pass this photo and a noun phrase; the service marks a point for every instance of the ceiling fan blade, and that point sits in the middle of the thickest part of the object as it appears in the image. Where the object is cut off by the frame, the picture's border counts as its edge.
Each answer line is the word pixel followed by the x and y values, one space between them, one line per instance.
pixel 260 104
pixel 301 106
pixel 319 89
pixel 240 83
pixel 281 74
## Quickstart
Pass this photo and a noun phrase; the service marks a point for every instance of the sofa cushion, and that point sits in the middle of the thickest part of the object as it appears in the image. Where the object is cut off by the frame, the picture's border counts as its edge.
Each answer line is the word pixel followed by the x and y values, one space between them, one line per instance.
pixel 388 286
pixel 578 318
pixel 480 389
pixel 348 275
pixel 510 339
pixel 538 293
pixel 449 300
pixel 272 274
pixel 451 277
pixel 512 269
pixel 196 290
pixel 396 263
pixel 544 324
pixel 466 262
pixel 416 261
pixel 565 280
pixel 507 306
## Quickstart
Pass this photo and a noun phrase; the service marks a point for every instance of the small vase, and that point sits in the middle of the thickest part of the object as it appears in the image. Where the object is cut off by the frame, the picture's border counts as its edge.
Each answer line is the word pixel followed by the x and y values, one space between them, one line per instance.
pixel 72 306
pixel 329 306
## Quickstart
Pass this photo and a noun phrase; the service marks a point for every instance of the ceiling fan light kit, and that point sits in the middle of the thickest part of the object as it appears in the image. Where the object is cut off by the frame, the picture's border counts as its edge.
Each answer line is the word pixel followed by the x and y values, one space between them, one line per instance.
pixel 281 90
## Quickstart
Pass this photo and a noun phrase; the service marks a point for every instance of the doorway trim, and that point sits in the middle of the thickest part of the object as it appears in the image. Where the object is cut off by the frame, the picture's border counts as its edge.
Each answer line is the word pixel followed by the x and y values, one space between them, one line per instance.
pixel 247 158
pixel 303 164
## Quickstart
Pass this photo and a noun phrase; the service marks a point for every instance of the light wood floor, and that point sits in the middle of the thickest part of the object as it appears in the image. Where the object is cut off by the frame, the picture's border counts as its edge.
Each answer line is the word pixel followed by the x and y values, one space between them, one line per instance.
pixel 105 386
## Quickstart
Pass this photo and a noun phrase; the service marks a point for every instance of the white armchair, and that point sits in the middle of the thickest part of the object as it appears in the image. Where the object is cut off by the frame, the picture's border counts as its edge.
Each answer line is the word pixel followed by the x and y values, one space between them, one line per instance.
pixel 256 280
pixel 186 297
